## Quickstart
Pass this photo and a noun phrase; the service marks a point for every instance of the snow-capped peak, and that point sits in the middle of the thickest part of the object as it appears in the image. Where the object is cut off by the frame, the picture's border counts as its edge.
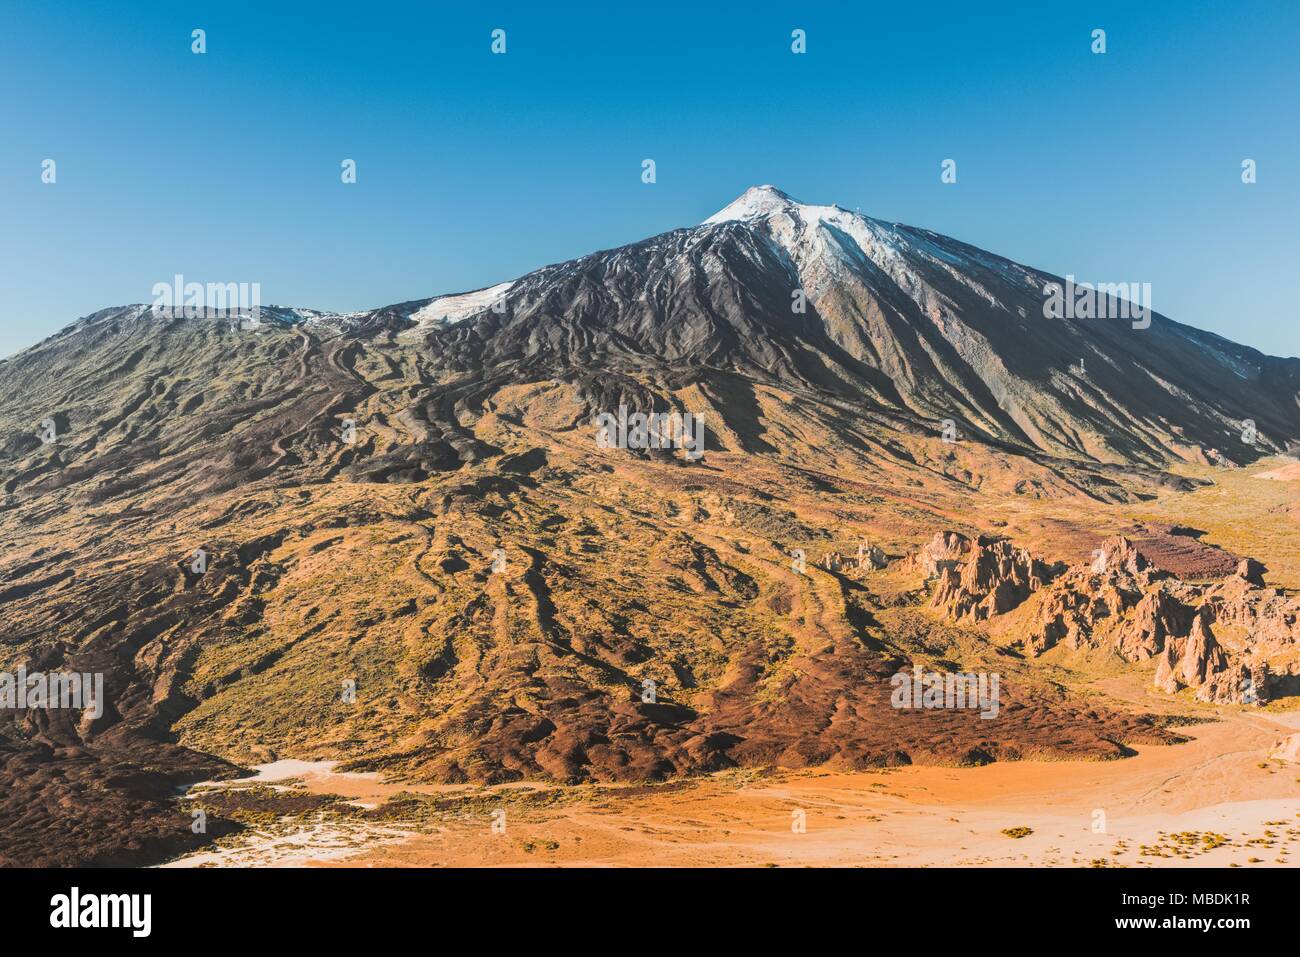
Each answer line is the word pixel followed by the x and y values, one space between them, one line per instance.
pixel 755 203
pixel 785 214
pixel 827 235
pixel 828 244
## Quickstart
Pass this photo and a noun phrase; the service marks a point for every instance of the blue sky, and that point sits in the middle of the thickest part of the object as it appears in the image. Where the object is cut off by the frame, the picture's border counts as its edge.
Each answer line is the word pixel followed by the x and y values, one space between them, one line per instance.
pixel 474 168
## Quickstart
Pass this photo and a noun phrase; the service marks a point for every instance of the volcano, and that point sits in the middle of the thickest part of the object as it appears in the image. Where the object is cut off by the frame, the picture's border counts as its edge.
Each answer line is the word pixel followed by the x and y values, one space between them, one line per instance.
pixel 418 559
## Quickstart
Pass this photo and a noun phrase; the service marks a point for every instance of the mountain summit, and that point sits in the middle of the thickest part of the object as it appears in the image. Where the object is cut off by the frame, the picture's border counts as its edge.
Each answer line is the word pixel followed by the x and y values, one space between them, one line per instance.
pixel 755 203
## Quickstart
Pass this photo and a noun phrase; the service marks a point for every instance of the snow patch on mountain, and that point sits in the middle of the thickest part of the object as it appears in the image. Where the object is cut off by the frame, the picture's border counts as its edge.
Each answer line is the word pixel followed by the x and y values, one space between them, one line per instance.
pixel 451 309
pixel 297 315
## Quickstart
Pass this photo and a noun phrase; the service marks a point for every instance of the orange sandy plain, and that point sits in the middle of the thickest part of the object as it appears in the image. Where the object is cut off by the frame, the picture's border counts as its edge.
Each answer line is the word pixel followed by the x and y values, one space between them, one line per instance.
pixel 1218 800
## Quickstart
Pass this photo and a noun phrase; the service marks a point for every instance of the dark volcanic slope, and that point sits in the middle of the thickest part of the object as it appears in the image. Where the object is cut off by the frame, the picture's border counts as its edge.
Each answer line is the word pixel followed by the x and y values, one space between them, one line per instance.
pixel 373 561
pixel 895 316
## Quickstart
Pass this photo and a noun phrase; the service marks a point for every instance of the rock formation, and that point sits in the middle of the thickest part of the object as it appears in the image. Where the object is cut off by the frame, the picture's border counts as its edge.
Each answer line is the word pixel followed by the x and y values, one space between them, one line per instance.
pixel 1121 601
pixel 995 577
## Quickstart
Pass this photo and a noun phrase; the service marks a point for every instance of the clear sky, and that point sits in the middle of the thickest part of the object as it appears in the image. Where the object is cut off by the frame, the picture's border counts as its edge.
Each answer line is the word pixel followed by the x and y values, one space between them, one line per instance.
pixel 473 168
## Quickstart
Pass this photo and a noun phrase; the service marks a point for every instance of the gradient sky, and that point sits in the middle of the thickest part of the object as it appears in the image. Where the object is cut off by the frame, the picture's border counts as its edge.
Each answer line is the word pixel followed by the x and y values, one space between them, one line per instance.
pixel 475 168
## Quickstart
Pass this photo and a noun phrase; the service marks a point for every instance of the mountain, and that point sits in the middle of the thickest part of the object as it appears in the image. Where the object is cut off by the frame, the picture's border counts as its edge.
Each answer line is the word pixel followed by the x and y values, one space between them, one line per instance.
pixel 413 504
pixel 896 318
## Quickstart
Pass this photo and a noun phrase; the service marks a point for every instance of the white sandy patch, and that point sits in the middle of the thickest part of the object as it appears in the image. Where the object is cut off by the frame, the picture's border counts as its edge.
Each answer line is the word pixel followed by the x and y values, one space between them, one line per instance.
pixel 289 769
pixel 295 843
pixel 310 841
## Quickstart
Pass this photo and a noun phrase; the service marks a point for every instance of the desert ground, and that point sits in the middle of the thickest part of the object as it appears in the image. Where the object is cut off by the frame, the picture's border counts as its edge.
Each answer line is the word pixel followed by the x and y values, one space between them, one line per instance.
pixel 1219 800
